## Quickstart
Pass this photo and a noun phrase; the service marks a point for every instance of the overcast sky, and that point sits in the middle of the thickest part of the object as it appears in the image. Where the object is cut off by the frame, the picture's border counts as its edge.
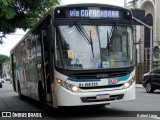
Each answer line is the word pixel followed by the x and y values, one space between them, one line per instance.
pixel 11 40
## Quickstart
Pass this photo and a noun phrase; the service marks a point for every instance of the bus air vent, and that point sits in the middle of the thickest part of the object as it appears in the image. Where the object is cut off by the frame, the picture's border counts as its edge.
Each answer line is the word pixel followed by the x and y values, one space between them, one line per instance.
pixel 98 75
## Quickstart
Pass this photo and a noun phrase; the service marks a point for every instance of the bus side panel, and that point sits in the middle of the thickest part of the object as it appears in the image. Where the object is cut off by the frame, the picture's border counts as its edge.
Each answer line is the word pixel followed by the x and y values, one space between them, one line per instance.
pixel 27 70
pixel 67 98
pixel 130 93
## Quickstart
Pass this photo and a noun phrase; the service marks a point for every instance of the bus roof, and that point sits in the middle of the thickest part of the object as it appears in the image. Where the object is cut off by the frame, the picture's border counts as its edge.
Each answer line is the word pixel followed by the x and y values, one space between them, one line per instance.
pixel 92 5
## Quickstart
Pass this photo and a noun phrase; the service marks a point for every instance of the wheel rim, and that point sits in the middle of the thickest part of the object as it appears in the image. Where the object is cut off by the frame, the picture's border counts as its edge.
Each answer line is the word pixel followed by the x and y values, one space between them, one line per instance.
pixel 148 87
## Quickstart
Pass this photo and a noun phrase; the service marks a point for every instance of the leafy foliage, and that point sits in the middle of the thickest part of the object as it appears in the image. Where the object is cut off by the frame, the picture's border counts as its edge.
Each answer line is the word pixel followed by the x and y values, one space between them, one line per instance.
pixel 3 58
pixel 21 14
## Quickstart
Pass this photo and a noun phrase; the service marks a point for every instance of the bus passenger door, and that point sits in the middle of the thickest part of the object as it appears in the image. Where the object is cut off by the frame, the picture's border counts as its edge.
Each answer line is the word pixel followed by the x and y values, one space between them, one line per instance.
pixel 46 62
pixel 13 71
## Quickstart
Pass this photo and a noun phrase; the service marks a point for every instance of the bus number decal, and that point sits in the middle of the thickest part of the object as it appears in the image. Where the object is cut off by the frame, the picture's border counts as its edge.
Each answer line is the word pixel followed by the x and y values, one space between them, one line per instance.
pixel 88 84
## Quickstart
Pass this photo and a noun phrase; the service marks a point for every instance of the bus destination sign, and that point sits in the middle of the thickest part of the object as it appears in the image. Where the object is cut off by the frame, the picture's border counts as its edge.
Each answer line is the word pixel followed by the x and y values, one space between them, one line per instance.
pixel 93 13
pixel 90 12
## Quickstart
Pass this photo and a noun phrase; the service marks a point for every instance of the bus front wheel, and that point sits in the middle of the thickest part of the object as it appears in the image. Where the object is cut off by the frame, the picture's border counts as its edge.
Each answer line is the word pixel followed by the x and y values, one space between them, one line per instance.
pixel 42 98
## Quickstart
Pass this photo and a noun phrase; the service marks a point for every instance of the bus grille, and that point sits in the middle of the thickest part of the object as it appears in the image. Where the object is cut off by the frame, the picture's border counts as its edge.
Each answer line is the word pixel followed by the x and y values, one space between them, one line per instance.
pixel 98 75
pixel 93 99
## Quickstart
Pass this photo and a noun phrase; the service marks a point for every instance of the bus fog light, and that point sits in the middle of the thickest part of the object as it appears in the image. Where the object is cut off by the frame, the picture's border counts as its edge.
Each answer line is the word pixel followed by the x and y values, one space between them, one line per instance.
pixel 74 88
pixel 59 81
pixel 126 85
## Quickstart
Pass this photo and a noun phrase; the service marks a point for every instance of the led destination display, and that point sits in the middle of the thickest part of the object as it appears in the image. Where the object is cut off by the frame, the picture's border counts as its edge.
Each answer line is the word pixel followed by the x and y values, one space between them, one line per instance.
pixel 94 13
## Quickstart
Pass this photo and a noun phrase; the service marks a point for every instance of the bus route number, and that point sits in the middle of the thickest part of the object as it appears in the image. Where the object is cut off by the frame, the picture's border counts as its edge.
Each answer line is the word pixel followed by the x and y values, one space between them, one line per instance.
pixel 88 84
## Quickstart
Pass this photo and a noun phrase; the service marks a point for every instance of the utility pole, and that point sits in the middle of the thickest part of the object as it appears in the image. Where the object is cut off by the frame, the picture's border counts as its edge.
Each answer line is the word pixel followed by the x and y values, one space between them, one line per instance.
pixel 134 6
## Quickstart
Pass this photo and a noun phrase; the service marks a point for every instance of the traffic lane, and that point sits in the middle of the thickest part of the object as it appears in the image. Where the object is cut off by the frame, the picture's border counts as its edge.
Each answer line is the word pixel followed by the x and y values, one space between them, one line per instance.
pixel 13 103
pixel 97 113
pixel 9 100
pixel 86 113
pixel 143 102
pixel 133 110
pixel 74 113
pixel 6 93
pixel 7 86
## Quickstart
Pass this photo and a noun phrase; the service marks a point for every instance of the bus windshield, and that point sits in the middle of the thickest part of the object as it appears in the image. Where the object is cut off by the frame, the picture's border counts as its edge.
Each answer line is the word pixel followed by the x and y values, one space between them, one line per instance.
pixel 93 47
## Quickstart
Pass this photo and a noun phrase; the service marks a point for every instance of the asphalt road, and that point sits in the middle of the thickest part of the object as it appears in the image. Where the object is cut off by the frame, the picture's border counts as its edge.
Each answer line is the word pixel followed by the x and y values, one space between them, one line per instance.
pixel 145 107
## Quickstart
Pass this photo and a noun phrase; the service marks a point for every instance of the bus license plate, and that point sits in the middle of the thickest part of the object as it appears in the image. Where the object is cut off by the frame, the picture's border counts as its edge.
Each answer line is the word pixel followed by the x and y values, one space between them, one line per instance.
pixel 102 96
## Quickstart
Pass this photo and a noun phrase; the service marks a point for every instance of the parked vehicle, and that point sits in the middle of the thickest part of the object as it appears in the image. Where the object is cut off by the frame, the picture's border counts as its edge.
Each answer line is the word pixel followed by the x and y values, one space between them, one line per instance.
pixel 0 84
pixel 2 80
pixel 6 77
pixel 151 80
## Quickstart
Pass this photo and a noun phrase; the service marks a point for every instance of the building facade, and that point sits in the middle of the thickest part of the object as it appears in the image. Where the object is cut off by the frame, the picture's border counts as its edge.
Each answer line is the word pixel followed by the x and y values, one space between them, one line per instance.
pixel 6 67
pixel 142 34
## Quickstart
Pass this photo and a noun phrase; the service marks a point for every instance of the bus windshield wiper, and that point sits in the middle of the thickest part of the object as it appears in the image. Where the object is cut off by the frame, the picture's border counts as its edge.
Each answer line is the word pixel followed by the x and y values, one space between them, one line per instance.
pixel 110 37
pixel 91 43
pixel 82 31
pixel 112 34
pixel 85 35
pixel 108 44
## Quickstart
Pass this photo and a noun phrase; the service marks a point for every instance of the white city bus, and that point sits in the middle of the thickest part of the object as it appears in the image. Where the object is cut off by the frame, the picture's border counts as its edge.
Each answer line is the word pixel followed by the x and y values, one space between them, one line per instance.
pixel 77 55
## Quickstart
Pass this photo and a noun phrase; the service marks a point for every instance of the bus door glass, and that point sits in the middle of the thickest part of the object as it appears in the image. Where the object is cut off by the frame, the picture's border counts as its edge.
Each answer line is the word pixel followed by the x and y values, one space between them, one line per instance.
pixel 45 34
pixel 13 71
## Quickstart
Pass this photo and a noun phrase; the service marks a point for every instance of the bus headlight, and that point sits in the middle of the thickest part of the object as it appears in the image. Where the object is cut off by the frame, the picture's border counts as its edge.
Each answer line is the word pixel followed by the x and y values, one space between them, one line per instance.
pixel 126 85
pixel 129 83
pixel 74 88
pixel 68 86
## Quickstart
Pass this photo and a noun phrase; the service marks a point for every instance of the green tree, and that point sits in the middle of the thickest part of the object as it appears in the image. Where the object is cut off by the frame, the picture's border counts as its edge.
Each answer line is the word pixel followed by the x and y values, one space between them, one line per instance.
pixel 21 14
pixel 3 58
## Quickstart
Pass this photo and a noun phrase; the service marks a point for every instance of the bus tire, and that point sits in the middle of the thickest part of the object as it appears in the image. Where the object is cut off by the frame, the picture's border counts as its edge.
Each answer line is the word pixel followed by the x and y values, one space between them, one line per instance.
pixel 42 98
pixel 19 92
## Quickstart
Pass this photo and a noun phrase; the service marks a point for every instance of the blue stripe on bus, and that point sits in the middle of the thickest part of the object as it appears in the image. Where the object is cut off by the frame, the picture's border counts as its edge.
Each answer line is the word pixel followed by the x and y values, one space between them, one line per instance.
pixel 124 78
pixel 114 81
pixel 84 80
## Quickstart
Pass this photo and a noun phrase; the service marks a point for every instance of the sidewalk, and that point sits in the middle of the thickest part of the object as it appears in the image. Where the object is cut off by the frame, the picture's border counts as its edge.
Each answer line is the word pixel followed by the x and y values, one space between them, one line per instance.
pixel 139 86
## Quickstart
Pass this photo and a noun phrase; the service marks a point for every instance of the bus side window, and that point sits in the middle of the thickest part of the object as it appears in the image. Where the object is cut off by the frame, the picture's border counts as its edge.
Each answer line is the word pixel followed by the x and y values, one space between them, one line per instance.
pixel 36 55
pixel 39 58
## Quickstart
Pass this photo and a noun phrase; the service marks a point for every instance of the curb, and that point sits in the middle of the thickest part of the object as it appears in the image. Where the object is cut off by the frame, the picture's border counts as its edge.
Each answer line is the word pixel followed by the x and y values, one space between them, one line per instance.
pixel 139 86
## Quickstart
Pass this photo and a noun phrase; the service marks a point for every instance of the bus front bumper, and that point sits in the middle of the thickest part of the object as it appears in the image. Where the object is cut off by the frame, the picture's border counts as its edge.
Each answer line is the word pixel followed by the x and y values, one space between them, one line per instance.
pixel 68 98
